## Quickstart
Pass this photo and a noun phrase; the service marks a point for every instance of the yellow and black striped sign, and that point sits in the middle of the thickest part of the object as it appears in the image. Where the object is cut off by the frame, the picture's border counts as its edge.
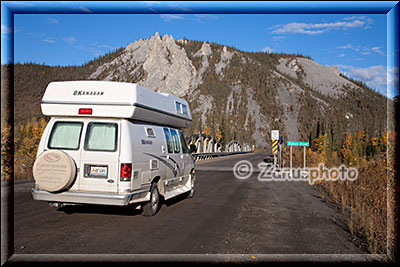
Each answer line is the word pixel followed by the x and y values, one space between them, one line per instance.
pixel 275 146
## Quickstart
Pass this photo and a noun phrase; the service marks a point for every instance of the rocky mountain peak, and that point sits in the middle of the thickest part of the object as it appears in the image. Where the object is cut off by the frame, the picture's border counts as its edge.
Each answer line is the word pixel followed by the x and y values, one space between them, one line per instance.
pixel 158 63
pixel 205 50
pixel 226 87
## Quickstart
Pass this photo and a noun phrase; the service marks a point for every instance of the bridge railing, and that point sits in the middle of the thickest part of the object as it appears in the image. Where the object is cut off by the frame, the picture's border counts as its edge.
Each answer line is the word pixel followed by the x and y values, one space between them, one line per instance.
pixel 204 156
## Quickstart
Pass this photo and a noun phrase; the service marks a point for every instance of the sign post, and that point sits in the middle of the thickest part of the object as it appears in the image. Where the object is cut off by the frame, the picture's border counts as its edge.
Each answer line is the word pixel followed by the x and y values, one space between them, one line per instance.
pixel 280 151
pixel 275 140
pixel 294 143
pixel 304 147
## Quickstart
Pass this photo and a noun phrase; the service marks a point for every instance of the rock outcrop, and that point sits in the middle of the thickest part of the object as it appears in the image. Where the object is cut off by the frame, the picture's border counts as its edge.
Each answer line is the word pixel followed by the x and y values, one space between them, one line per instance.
pixel 232 89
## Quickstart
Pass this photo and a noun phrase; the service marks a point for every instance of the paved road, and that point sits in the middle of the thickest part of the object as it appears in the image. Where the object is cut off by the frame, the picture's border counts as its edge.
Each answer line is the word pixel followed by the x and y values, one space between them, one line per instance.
pixel 227 215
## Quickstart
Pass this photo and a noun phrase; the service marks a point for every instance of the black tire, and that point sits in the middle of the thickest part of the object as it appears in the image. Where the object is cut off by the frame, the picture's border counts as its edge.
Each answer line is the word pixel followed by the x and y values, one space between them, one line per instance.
pixel 151 207
pixel 192 179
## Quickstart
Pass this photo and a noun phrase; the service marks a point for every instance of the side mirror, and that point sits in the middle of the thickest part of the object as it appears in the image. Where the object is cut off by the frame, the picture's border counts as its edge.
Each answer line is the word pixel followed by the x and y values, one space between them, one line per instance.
pixel 192 148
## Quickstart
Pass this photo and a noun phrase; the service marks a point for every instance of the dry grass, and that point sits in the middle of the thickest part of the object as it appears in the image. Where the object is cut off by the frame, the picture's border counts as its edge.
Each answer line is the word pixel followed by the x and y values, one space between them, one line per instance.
pixel 363 201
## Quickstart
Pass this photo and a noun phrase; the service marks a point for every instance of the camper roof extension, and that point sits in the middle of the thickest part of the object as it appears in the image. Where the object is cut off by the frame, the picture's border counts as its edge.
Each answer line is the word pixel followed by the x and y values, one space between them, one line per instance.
pixel 115 100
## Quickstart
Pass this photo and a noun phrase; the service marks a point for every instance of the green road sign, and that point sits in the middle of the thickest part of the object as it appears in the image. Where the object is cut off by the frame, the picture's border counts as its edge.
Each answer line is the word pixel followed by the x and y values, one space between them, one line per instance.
pixel 291 143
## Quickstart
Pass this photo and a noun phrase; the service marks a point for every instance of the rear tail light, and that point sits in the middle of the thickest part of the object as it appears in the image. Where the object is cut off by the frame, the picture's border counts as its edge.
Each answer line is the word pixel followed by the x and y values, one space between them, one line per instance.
pixel 85 111
pixel 126 171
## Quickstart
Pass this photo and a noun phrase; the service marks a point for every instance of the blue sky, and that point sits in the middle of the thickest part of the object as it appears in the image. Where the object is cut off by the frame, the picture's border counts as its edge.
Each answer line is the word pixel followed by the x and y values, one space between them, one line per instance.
pixel 355 43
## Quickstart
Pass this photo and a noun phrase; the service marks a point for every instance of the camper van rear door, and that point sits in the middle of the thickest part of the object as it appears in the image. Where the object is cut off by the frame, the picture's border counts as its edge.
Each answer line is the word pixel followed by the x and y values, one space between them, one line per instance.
pixel 100 157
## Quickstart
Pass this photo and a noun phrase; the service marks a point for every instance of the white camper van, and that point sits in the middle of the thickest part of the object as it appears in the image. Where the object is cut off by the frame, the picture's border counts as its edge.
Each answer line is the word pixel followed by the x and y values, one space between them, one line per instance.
pixel 112 143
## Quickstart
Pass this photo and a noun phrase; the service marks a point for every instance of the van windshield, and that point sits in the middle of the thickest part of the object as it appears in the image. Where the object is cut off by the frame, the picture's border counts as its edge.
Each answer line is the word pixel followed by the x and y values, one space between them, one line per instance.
pixel 101 137
pixel 65 135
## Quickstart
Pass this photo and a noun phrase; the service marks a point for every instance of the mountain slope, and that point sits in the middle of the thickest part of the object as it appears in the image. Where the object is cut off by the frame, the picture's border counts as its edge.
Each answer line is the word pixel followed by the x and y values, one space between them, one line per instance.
pixel 244 94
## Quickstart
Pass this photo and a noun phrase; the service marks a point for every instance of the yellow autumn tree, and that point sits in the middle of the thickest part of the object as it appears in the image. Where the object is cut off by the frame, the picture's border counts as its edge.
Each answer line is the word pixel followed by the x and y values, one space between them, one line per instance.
pixel 347 152
pixel 26 144
pixel 321 144
pixel 361 142
pixel 6 155
pixel 207 130
pixel 218 135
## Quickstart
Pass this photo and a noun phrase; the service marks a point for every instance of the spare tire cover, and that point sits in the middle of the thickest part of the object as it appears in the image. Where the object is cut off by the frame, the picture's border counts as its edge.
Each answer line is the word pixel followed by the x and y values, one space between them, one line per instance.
pixel 54 170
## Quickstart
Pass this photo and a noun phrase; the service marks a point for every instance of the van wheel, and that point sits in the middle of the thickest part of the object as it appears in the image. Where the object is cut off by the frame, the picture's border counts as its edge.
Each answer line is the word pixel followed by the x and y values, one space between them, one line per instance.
pixel 192 180
pixel 151 208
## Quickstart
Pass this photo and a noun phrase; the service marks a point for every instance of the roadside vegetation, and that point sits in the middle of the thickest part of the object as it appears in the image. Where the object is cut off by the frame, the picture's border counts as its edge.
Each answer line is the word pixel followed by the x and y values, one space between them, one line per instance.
pixel 365 200
pixel 26 141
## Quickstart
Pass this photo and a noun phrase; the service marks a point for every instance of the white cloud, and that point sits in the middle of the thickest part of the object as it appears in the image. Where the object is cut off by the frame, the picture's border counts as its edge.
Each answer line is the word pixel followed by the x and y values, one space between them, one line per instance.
pixel 377 77
pixel 170 17
pixel 206 16
pixel 362 50
pixel 347 46
pixel 69 39
pixel 320 28
pixel 377 49
pixel 341 55
pixel 98 45
pixel 48 40
pixel 278 38
pixel 105 46
pixel 52 20
pixel 95 51
pixel 393 82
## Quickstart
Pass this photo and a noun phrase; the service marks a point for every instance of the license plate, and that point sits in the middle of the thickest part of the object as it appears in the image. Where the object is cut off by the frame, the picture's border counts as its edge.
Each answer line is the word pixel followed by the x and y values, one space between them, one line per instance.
pixel 98 171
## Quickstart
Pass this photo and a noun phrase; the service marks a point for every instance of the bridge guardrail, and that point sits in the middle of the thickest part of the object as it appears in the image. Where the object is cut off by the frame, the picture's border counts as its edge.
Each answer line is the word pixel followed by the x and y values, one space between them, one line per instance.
pixel 204 156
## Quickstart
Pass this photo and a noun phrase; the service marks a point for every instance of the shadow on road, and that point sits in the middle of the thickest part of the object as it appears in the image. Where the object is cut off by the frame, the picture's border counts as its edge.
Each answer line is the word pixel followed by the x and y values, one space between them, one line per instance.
pixel 101 209
pixel 130 210
pixel 175 200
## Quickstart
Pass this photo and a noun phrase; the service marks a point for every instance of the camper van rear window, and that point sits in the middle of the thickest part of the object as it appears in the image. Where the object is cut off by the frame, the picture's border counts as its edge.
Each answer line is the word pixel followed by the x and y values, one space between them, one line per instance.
pixel 184 109
pixel 101 137
pixel 65 135
pixel 181 108
pixel 178 107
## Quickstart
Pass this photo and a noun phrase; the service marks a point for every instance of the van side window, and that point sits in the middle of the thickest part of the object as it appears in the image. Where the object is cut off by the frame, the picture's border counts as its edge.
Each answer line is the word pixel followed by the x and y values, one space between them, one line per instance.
pixel 169 140
pixel 150 132
pixel 184 109
pixel 65 135
pixel 176 141
pixel 178 107
pixel 181 108
pixel 101 137
pixel 185 148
